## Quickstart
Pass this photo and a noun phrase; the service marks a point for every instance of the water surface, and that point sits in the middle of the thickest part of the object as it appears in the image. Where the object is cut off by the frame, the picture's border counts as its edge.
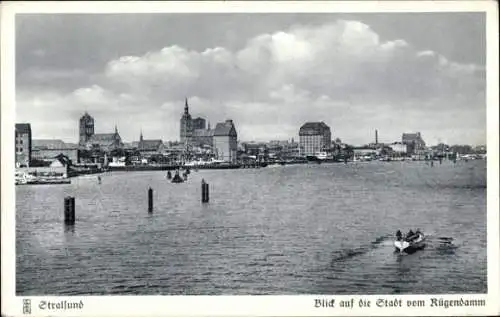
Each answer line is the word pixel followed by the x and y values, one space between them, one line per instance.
pixel 298 229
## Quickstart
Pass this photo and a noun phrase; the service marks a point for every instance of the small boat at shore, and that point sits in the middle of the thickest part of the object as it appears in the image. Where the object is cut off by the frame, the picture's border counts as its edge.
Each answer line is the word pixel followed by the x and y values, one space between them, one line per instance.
pixel 52 181
pixel 20 178
pixel 411 243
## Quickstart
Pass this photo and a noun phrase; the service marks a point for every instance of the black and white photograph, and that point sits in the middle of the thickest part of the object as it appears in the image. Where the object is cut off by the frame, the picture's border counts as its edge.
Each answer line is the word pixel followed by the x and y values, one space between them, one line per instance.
pixel 252 153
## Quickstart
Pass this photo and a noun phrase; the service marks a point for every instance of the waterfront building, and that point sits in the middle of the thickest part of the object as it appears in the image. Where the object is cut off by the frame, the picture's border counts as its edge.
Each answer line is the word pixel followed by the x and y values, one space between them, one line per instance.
pixel 86 129
pixel 365 153
pixel 186 125
pixel 398 148
pixel 48 144
pixel 105 142
pixel 314 137
pixel 147 148
pixel 23 144
pixel 47 150
pixel 225 141
pixel 202 137
pixel 284 149
pixel 480 149
pixel 291 149
pixel 173 149
pixel 256 150
pixel 414 142
pixel 275 148
pixel 442 148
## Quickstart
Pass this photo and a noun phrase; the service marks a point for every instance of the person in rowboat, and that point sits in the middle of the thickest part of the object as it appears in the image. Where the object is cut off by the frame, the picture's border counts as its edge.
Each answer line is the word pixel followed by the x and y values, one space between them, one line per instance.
pixel 399 235
pixel 410 235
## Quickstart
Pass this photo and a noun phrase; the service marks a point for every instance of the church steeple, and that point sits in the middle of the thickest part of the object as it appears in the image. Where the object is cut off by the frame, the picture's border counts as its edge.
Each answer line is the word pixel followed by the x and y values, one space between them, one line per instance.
pixel 186 126
pixel 141 138
pixel 116 129
pixel 186 107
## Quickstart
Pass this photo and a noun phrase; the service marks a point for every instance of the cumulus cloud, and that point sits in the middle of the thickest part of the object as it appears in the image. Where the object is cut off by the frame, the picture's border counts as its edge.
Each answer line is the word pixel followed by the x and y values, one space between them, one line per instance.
pixel 341 72
pixel 55 115
pixel 341 60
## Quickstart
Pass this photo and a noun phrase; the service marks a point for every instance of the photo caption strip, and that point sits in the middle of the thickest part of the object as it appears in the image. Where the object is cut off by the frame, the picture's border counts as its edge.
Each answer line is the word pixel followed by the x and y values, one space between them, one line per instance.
pixel 373 305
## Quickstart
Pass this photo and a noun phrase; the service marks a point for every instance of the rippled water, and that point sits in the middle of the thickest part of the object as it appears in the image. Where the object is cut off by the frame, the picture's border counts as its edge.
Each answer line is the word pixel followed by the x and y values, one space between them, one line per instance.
pixel 315 229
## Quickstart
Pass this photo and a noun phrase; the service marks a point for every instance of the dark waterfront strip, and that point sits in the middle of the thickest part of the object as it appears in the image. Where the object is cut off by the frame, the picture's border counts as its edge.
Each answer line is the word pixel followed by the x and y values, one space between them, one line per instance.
pixel 138 168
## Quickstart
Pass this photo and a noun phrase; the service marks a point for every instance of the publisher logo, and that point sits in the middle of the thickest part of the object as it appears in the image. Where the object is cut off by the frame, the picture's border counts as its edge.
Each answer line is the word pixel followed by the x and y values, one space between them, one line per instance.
pixel 26 306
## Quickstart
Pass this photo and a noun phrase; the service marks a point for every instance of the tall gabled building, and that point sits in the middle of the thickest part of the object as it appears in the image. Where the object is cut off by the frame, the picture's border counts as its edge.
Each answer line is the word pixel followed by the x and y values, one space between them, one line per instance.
pixel 23 144
pixel 414 143
pixel 314 137
pixel 225 141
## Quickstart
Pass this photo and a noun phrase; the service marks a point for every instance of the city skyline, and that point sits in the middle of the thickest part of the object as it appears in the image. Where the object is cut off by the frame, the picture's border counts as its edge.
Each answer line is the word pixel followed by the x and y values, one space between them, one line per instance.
pixel 357 73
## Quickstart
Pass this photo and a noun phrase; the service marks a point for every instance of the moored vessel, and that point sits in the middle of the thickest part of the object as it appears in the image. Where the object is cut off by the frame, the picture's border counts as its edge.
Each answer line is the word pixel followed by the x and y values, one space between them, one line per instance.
pixel 177 178
pixel 409 243
pixel 20 178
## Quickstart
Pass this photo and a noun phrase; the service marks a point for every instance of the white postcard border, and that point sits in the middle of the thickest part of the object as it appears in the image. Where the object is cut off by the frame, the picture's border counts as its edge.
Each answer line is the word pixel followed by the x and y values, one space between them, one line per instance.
pixel 299 305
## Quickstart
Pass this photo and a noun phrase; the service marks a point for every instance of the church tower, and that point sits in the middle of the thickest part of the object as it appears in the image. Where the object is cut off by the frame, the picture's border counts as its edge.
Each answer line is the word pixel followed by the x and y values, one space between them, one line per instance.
pixel 86 129
pixel 186 125
pixel 141 141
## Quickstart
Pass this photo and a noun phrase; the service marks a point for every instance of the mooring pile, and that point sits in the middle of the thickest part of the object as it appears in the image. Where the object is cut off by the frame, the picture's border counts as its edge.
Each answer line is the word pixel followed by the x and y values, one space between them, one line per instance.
pixel 69 202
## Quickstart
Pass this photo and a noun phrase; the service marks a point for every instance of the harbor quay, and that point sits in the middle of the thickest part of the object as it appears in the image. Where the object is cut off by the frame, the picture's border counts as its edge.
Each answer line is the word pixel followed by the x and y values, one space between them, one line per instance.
pixel 60 173
pixel 261 164
pixel 293 229
pixel 47 161
pixel 64 174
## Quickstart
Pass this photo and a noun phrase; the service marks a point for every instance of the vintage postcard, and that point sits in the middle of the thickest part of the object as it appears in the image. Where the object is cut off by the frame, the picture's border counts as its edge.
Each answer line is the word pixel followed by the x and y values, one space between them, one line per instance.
pixel 250 158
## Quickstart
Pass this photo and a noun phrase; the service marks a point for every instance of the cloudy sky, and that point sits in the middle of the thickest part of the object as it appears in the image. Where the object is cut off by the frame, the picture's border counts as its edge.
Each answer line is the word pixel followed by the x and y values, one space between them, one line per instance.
pixel 270 73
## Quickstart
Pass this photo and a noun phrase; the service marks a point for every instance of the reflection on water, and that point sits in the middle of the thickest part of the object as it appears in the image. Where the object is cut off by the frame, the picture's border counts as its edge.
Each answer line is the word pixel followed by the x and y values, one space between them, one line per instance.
pixel 284 230
pixel 70 229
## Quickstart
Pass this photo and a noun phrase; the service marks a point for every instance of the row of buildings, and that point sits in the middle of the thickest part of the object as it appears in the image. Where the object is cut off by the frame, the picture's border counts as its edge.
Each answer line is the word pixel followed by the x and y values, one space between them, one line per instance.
pixel 315 138
pixel 197 139
pixel 220 143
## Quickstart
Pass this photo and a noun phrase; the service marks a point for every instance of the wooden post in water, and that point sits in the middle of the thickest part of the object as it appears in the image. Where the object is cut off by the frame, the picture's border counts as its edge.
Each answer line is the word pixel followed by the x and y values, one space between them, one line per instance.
pixel 150 200
pixel 69 210
pixel 204 192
